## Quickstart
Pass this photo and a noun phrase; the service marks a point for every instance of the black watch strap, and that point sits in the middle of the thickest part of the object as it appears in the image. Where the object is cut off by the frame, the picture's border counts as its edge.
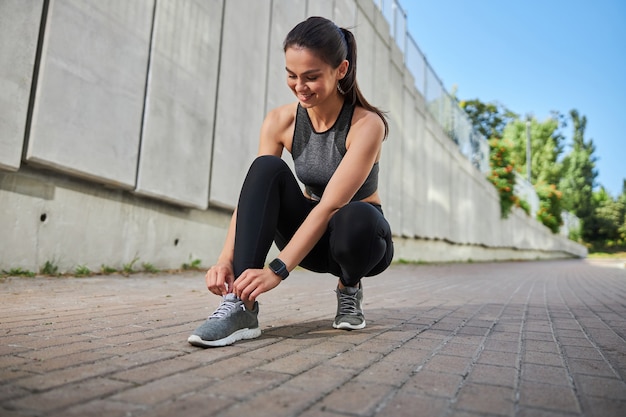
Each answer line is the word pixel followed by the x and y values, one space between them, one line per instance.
pixel 279 268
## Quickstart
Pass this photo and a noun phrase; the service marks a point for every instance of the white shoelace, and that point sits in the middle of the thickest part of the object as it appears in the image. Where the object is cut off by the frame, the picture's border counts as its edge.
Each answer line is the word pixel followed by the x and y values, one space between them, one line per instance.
pixel 224 308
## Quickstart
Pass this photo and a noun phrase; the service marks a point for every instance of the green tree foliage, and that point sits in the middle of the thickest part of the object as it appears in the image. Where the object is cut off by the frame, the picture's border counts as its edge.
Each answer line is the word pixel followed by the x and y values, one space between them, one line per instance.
pixel 608 226
pixel 502 175
pixel 488 119
pixel 549 212
pixel 579 177
pixel 546 147
pixel 621 229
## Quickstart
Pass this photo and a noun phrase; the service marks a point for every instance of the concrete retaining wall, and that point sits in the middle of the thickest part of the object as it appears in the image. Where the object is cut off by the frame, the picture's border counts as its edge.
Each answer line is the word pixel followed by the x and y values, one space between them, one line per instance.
pixel 126 129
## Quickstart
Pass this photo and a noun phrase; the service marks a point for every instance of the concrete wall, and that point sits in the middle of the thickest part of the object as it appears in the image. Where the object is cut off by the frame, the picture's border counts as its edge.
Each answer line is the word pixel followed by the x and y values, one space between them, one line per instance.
pixel 126 129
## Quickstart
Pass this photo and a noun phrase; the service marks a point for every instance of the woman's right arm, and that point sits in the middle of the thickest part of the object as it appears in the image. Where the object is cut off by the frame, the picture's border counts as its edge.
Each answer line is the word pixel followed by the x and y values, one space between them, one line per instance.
pixel 220 277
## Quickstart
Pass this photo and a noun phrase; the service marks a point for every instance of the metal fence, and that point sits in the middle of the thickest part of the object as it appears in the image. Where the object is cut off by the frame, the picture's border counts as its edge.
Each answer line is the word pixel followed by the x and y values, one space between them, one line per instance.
pixel 443 107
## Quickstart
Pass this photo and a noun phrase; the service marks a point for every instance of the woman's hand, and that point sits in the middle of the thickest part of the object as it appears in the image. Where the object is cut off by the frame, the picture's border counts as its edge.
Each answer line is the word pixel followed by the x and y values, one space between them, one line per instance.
pixel 220 277
pixel 254 282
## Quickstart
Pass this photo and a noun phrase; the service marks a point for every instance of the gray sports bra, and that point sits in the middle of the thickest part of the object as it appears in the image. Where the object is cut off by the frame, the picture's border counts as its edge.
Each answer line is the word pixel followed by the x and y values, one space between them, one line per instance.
pixel 316 156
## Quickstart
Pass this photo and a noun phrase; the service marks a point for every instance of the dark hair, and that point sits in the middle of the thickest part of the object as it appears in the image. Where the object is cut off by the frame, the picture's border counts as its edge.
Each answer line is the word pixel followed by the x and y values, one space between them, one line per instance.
pixel 332 44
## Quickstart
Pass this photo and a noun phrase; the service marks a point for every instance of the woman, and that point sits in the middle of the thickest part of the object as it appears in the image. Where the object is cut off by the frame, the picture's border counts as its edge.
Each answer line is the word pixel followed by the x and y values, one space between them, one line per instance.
pixel 336 225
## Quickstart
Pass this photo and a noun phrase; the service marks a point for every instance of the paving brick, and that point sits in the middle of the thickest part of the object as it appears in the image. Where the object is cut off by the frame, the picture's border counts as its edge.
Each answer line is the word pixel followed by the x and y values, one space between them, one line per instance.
pixel 449 364
pixel 550 397
pixel 603 387
pixel 145 373
pixel 388 373
pixel 472 398
pixel 492 357
pixel 409 404
pixel 493 375
pixel 436 384
pixel 160 390
pixel 541 346
pixel 106 408
pixel 246 384
pixel 460 349
pixel 357 398
pixel 541 412
pixel 502 346
pixel 605 407
pixel 322 378
pixel 69 395
pixel 542 358
pixel 547 374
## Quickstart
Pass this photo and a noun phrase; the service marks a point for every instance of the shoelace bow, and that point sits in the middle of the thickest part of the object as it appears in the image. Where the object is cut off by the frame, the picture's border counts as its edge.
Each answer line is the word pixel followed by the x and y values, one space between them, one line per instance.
pixel 347 304
pixel 224 308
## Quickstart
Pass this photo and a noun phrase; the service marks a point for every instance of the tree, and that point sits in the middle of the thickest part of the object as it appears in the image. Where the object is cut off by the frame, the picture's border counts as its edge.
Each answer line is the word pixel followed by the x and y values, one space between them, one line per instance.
pixel 579 177
pixel 546 147
pixel 609 222
pixel 488 119
pixel 622 227
pixel 608 219
pixel 502 175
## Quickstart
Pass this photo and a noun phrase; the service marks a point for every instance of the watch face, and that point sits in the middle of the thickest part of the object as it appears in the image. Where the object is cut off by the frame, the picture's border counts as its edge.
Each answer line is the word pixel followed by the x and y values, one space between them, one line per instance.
pixel 279 268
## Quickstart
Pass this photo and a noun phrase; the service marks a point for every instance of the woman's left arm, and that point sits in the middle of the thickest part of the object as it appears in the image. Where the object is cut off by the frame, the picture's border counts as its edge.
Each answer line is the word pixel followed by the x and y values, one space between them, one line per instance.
pixel 363 148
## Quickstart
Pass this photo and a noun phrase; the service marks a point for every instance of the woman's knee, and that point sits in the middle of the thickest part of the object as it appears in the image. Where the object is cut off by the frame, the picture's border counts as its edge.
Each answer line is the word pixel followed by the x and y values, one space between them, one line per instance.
pixel 357 226
pixel 268 163
pixel 357 217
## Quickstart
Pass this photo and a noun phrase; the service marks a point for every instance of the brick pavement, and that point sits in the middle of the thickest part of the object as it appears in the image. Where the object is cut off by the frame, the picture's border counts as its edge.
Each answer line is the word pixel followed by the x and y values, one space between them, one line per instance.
pixel 486 339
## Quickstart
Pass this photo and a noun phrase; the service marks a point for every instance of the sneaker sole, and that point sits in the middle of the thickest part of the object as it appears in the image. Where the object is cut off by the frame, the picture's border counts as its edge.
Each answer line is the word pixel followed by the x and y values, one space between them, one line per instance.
pixel 242 334
pixel 348 326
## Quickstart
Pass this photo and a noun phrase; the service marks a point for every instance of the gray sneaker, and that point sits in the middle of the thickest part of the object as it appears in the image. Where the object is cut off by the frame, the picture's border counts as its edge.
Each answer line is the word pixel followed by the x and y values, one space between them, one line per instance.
pixel 349 312
pixel 229 323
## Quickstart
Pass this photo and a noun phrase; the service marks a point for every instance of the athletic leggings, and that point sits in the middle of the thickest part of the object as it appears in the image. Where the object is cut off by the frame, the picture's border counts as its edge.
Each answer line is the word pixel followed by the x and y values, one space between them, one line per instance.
pixel 357 242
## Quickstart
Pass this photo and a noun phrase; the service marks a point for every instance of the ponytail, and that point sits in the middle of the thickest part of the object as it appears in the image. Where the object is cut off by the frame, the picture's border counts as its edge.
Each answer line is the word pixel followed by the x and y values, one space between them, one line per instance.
pixel 349 85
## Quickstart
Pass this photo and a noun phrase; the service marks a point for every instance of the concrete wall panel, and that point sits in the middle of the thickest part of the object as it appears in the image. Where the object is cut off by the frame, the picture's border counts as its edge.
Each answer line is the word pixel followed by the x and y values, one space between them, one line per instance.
pixel 285 15
pixel 322 8
pixel 89 101
pixel 394 160
pixel 241 96
pixel 344 14
pixel 19 33
pixel 71 224
pixel 409 154
pixel 177 135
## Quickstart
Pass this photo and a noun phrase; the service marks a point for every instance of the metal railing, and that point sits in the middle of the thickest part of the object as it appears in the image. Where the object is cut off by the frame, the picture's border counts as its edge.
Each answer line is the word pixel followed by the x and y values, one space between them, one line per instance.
pixel 441 105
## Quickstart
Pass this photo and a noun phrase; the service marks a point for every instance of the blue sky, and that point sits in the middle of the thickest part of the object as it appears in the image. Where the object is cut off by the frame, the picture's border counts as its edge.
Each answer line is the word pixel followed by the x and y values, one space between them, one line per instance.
pixel 533 57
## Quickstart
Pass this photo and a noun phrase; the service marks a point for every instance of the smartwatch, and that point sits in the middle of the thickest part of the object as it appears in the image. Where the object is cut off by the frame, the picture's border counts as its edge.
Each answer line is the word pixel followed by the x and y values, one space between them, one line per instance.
pixel 279 268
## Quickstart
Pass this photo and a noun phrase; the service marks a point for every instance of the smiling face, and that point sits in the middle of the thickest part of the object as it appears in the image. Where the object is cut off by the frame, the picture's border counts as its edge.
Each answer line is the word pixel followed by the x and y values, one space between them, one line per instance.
pixel 311 79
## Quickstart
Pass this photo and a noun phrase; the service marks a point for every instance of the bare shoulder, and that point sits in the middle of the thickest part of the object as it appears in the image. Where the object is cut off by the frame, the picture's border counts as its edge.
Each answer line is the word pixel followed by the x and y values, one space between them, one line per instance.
pixel 281 117
pixel 365 120
pixel 277 129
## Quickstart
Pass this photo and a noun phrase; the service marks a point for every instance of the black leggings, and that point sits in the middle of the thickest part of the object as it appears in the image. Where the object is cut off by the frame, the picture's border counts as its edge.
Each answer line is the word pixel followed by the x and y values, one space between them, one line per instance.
pixel 357 242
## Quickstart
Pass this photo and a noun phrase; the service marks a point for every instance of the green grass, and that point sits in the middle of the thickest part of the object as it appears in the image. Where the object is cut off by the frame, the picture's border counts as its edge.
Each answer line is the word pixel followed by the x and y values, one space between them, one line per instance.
pixel 82 271
pixel 607 255
pixel 105 269
pixel 148 267
pixel 195 264
pixel 49 268
pixel 128 268
pixel 18 272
